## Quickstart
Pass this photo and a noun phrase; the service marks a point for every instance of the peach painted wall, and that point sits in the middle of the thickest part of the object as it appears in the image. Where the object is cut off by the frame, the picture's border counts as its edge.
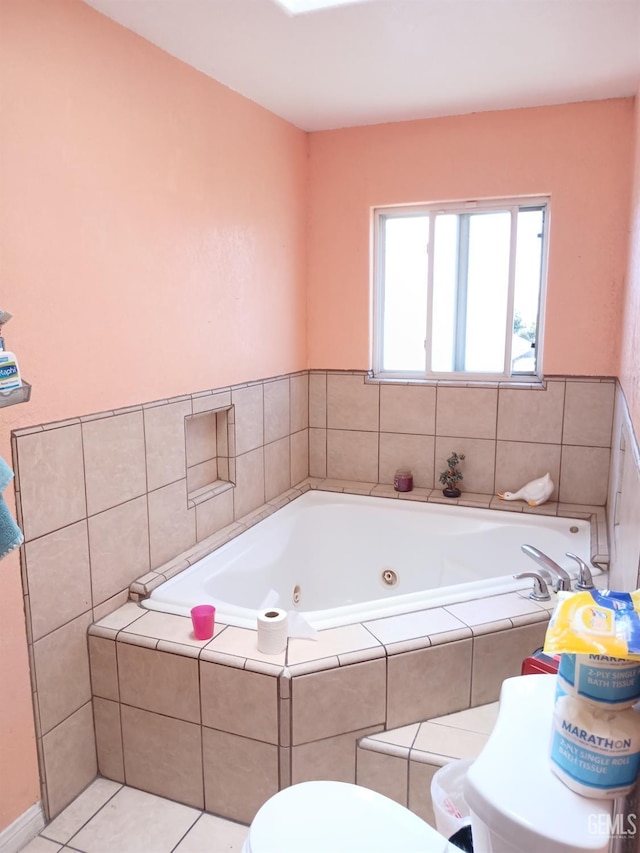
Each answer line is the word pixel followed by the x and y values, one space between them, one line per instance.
pixel 580 154
pixel 152 242
pixel 630 352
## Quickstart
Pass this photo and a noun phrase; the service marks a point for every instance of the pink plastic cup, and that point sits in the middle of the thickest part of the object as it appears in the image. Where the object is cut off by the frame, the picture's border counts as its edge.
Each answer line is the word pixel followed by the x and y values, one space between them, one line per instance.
pixel 202 618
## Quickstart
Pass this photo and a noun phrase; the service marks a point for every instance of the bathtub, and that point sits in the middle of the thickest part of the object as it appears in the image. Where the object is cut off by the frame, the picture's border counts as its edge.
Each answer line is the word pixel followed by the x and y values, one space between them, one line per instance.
pixel 339 558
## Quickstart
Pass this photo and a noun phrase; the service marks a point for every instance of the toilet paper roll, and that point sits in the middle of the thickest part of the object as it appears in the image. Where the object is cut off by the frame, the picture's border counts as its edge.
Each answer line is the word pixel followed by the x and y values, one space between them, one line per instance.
pixel 600 680
pixel 273 627
pixel 596 752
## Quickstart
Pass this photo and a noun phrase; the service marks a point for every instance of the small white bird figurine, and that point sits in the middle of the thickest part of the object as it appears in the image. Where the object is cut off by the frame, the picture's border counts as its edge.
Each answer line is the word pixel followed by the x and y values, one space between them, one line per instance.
pixel 534 493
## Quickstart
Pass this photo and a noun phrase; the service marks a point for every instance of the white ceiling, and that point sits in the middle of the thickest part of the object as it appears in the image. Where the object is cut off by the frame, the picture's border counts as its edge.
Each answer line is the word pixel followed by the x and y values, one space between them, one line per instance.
pixel 377 61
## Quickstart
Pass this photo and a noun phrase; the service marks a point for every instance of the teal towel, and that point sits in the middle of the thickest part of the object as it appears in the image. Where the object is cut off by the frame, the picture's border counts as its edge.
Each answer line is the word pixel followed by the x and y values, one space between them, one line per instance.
pixel 10 534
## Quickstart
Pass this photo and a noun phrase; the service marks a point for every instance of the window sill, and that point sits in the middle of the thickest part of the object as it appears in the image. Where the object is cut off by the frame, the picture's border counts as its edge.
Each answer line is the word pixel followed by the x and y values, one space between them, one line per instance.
pixel 528 383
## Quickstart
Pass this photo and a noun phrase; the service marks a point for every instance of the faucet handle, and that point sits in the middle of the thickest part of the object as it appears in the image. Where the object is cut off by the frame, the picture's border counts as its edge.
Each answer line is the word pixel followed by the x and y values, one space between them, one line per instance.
pixel 540 591
pixel 585 580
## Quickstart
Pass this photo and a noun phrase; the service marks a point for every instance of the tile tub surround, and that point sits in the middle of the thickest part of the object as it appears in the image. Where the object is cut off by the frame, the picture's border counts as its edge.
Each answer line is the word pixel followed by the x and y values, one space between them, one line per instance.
pixel 362 429
pixel 250 724
pixel 102 499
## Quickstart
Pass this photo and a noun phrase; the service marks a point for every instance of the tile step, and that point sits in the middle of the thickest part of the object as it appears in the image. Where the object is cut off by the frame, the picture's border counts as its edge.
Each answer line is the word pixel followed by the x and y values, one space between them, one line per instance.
pixel 400 763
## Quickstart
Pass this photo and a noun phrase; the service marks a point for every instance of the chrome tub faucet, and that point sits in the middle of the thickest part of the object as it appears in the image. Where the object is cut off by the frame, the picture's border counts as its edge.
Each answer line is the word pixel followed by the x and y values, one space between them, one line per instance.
pixel 552 572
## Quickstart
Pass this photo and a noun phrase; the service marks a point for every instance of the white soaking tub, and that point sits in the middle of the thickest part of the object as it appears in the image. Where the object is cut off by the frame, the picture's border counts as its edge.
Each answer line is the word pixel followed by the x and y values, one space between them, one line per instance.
pixel 338 558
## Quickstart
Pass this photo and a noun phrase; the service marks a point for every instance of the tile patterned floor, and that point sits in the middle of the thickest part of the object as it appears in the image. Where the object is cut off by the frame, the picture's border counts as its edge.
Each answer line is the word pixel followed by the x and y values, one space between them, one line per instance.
pixel 112 818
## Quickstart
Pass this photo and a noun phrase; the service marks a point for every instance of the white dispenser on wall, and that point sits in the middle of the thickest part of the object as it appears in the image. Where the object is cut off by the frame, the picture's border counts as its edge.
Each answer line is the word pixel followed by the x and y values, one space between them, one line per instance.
pixel 10 378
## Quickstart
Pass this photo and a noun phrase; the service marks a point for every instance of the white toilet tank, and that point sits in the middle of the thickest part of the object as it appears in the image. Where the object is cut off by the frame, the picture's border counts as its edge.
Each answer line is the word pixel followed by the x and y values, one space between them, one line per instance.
pixel 518 805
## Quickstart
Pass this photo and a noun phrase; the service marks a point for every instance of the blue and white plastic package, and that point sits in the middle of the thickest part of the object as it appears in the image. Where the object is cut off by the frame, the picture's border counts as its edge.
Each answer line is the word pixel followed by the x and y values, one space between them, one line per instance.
pixel 595 752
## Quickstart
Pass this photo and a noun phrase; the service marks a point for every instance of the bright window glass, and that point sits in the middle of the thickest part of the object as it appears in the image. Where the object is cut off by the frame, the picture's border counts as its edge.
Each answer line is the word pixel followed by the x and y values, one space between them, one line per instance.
pixel 459 289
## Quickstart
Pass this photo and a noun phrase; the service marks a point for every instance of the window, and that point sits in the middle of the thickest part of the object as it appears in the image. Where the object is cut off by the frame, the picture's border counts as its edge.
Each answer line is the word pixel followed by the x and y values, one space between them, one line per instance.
pixel 459 289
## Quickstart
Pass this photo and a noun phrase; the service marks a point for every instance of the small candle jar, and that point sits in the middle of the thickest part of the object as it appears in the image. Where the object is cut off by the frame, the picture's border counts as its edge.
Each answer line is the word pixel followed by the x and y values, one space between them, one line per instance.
pixel 403 480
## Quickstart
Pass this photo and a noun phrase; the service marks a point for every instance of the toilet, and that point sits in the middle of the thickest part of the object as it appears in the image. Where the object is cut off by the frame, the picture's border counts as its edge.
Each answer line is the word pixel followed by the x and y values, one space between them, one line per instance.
pixel 517 804
pixel 338 817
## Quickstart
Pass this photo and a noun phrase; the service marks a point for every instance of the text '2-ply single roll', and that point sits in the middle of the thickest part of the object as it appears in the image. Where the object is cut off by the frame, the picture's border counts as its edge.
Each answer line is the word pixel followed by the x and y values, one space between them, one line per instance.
pixel 273 626
pixel 596 752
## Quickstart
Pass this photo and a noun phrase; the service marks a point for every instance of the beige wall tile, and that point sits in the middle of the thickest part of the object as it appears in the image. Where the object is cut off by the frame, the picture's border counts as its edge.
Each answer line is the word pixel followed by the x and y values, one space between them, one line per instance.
pixel 478 467
pixel 57 567
pixel 588 413
pixel 408 408
pixel 104 668
pixel 214 514
pixel 159 682
pixel 317 452
pixel 205 474
pixel 386 774
pixel 223 468
pixel 239 774
pixel 420 803
pixel 318 400
pixel 420 686
pixel 51 480
pixel 249 418
pixel 519 462
pixel 164 432
pixel 163 756
pixel 224 421
pixel 172 525
pixel 332 758
pixel 69 759
pixel 531 414
pixel 106 717
pixel 414 452
pixel 499 656
pixel 226 704
pixel 584 475
pixel 337 701
pixel 276 410
pixel 299 456
pixel 351 404
pixel 202 474
pixel 201 435
pixel 249 491
pixel 284 767
pixel 61 665
pixel 299 391
pixel 110 605
pixel 114 460
pixel 467 412
pixel 208 402
pixel 352 455
pixel 119 544
pixel 277 468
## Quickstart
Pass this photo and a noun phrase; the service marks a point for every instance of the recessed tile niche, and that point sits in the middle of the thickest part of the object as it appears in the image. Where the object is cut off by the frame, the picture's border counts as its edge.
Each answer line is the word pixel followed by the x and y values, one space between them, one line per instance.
pixel 208 438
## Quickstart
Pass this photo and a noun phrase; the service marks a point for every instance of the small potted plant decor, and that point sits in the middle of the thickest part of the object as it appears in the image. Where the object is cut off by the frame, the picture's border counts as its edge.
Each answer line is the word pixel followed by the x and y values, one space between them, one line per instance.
pixel 452 476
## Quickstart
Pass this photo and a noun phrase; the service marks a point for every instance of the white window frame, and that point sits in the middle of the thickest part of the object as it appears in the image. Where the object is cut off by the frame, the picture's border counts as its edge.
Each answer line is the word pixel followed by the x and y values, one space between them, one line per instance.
pixel 513 204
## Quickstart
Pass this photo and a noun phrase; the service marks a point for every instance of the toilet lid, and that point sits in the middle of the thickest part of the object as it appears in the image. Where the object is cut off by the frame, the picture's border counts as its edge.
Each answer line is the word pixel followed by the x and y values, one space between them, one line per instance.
pixel 511 788
pixel 317 817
